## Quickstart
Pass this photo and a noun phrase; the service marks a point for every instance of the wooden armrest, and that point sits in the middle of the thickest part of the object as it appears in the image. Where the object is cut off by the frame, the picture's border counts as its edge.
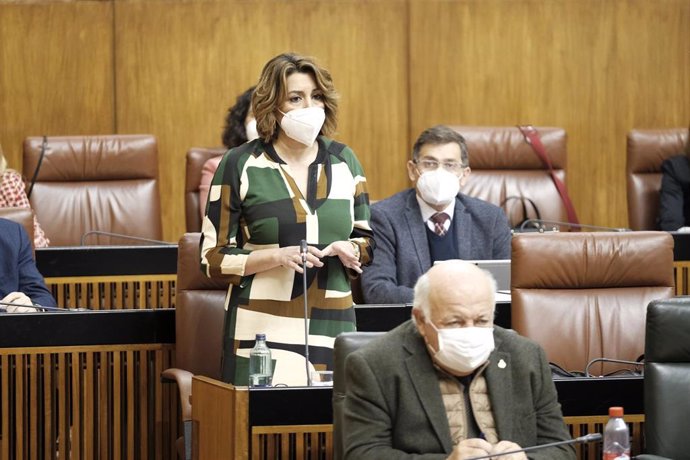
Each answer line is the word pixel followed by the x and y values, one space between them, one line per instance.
pixel 184 386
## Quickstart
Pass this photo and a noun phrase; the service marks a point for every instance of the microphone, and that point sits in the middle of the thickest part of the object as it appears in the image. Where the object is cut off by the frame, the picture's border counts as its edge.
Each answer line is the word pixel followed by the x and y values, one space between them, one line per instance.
pixel 303 249
pixel 37 306
pixel 611 360
pixel 44 146
pixel 542 225
pixel 592 437
pixel 123 236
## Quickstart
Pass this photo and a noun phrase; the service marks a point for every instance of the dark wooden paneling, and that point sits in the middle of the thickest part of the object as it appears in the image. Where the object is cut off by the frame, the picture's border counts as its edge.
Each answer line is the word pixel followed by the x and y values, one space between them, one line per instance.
pixel 181 64
pixel 56 71
pixel 597 69
pixel 172 68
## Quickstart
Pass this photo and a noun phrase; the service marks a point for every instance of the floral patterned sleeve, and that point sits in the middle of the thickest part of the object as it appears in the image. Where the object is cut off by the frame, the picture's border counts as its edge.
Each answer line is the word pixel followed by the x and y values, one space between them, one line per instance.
pixel 13 195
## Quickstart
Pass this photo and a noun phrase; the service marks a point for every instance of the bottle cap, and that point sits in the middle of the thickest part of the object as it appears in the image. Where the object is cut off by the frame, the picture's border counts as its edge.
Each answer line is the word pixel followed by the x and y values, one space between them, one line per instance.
pixel 615 411
pixel 260 336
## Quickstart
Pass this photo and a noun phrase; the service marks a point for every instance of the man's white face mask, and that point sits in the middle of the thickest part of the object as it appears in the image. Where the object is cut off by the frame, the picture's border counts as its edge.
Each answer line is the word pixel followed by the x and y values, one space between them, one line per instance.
pixel 464 349
pixel 303 125
pixel 438 187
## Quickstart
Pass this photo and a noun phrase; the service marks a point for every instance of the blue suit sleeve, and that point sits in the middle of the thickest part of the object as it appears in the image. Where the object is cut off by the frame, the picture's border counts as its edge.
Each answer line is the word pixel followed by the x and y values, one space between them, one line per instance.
pixel 380 283
pixel 30 280
pixel 502 238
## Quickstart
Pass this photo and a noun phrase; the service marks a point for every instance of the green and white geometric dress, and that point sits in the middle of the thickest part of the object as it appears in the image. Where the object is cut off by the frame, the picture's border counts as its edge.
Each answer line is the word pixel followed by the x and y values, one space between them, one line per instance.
pixel 254 203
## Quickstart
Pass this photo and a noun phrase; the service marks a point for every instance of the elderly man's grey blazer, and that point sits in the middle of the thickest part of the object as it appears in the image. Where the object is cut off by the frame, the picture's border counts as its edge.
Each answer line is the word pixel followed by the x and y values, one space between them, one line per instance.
pixel 402 248
pixel 393 407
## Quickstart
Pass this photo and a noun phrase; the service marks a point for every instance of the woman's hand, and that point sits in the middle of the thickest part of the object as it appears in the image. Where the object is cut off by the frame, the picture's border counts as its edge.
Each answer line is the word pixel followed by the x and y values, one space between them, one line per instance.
pixel 290 257
pixel 346 252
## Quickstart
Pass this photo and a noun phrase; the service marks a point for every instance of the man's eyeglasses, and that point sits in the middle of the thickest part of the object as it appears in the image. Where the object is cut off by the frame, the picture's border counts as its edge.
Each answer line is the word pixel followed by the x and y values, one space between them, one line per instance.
pixel 432 165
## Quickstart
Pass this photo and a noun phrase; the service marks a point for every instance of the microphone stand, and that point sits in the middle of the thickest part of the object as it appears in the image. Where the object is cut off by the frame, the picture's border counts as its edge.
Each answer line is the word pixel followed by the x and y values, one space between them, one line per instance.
pixel 303 252
pixel 541 224
pixel 610 360
pixel 592 437
pixel 123 236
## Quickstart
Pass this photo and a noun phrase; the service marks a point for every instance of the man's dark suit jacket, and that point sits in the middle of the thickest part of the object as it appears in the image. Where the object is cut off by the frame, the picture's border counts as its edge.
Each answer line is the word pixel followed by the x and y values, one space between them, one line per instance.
pixel 18 272
pixel 394 410
pixel 674 197
pixel 402 248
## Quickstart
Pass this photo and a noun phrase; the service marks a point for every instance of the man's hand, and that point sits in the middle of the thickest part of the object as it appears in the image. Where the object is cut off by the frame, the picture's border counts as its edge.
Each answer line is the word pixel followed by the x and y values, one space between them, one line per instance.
pixel 469 448
pixel 507 446
pixel 21 298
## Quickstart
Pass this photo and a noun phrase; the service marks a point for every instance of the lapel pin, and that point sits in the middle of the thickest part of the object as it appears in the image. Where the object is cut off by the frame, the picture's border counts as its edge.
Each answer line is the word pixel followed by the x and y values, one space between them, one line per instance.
pixel 502 364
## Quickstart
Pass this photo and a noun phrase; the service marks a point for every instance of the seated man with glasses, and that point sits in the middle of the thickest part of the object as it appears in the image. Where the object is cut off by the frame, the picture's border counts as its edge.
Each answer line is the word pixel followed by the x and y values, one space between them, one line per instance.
pixel 432 221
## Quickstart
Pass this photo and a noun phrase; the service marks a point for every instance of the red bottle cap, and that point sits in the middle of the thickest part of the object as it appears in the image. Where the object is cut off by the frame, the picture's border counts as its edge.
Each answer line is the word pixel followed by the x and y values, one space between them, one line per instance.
pixel 615 411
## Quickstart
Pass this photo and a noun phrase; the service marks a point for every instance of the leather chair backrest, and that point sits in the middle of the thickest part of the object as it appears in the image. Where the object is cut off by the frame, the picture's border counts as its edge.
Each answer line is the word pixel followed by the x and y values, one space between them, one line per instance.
pixel 345 343
pixel 23 216
pixel 667 378
pixel 504 166
pixel 646 150
pixel 199 313
pixel 104 183
pixel 584 295
pixel 196 158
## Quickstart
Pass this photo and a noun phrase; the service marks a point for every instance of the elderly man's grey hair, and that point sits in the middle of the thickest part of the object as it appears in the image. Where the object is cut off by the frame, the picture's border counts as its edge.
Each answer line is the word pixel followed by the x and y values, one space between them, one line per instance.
pixel 422 290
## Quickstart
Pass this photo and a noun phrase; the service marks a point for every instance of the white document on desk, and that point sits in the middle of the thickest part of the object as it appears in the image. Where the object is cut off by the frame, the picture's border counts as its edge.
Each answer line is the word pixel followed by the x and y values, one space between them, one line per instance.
pixel 502 296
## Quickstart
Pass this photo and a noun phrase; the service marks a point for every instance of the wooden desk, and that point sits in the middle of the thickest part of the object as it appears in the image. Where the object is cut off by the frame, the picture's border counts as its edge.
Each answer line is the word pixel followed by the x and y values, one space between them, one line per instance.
pixel 110 277
pixel 295 423
pixel 384 317
pixel 118 277
pixel 86 385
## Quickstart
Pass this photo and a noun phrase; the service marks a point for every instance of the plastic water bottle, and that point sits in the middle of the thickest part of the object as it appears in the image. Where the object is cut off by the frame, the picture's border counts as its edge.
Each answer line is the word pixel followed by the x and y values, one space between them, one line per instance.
pixel 260 365
pixel 616 436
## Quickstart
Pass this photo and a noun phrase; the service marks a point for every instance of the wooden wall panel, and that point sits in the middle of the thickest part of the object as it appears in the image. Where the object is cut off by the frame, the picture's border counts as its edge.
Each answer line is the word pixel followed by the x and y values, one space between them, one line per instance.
pixel 56 71
pixel 596 68
pixel 173 67
pixel 180 66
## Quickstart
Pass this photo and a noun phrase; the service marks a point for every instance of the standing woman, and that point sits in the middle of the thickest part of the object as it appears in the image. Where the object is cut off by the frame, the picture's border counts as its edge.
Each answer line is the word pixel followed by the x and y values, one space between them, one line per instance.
pixel 292 183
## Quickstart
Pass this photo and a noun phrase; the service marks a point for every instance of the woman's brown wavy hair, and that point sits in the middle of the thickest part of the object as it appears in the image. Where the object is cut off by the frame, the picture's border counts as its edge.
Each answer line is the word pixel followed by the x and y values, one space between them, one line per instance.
pixel 271 92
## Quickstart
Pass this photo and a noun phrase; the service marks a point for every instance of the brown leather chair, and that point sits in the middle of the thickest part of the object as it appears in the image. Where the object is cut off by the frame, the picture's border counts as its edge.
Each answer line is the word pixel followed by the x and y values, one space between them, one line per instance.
pixel 95 183
pixel 505 168
pixel 23 216
pixel 646 150
pixel 199 317
pixel 583 296
pixel 196 158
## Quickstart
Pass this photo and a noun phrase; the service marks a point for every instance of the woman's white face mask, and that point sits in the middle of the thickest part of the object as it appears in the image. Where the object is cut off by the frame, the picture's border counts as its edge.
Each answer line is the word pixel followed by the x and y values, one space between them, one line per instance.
pixel 303 125
pixel 438 187
pixel 464 349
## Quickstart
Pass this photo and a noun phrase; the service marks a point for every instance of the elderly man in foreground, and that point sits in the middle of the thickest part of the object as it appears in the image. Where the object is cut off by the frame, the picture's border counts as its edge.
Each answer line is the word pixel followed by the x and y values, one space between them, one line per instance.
pixel 450 384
